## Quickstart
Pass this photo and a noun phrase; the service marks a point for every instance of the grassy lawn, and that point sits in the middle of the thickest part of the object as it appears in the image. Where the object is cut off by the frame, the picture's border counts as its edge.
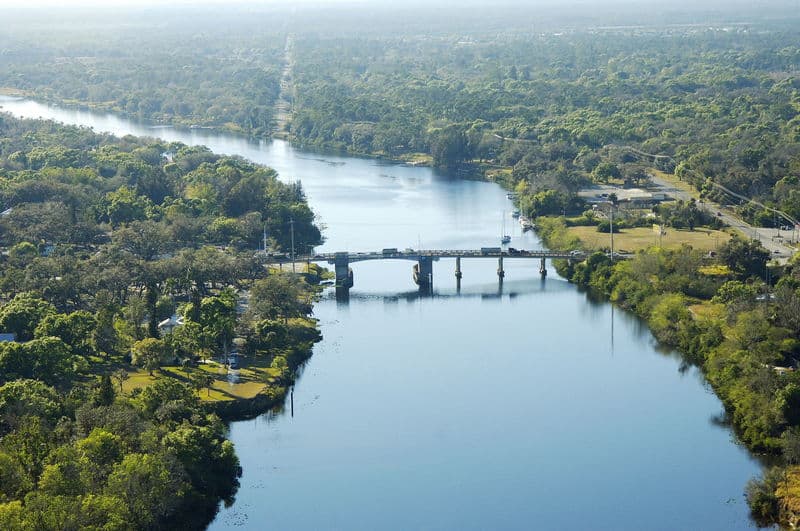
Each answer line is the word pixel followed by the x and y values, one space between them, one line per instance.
pixel 253 377
pixel 709 310
pixel 643 237
pixel 716 270
pixel 417 159
pixel 498 174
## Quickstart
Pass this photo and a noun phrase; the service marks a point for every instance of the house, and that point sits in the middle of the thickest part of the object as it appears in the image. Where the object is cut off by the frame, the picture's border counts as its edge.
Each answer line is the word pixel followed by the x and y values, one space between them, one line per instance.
pixel 168 325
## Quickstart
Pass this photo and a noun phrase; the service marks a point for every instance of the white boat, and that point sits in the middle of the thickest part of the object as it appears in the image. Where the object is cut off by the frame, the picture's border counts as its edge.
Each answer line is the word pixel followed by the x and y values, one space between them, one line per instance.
pixel 504 238
pixel 525 223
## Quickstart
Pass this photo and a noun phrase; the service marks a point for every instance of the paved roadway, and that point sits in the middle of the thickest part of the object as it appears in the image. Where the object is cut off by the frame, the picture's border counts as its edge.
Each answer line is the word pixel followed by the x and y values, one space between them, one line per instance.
pixel 775 240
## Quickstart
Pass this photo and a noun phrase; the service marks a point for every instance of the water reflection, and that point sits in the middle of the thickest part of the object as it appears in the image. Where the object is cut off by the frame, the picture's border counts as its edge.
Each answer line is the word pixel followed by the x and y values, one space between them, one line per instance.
pixel 499 290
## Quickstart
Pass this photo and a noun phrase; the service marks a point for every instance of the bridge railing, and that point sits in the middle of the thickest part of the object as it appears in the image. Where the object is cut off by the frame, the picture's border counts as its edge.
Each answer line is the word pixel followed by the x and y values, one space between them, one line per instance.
pixel 438 253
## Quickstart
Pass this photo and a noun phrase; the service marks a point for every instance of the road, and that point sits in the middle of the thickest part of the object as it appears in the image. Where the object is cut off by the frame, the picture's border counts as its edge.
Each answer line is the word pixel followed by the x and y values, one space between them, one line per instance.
pixel 776 241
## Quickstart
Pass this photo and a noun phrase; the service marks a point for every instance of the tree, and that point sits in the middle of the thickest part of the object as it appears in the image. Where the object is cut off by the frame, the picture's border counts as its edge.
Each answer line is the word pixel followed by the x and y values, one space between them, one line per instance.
pixel 148 353
pixel 746 258
pixel 149 487
pixel 52 360
pixel 104 395
pixel 64 476
pixel 279 295
pixel 144 239
pixel 216 317
pixel 22 314
pixel 202 380
pixel 104 336
pixel 120 375
pixel 27 398
pixel 75 329
pixel 448 146
pixel 735 291
pixel 100 450
pixel 14 482
pixel 29 444
pixel 47 359
pixel 187 340
pixel 761 497
pixel 209 461
pixel 12 515
pixel 606 171
pixel 168 391
pixel 108 513
pixel 124 206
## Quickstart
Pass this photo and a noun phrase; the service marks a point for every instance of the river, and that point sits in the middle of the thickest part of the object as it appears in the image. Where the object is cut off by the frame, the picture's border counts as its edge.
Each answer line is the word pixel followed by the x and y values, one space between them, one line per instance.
pixel 521 406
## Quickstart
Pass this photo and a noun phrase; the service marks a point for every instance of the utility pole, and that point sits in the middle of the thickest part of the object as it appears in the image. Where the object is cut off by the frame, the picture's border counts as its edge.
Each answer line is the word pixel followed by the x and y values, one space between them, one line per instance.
pixel 291 226
pixel 611 227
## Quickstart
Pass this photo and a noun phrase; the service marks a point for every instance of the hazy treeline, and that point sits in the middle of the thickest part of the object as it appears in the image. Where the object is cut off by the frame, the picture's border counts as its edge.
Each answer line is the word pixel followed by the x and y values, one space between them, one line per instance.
pixel 722 102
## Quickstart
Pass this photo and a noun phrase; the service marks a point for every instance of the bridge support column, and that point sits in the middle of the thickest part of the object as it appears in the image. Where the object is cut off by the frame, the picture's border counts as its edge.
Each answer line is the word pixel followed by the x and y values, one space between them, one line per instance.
pixel 423 272
pixel 344 275
pixel 500 271
pixel 458 273
pixel 543 267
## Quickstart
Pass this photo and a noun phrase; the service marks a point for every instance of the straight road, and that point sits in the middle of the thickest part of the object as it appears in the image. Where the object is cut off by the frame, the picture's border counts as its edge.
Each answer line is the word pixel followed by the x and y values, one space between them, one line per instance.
pixel 775 240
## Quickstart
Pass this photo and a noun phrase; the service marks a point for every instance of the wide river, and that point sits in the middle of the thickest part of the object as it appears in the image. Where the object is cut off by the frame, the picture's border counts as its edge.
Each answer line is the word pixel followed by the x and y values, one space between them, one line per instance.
pixel 525 406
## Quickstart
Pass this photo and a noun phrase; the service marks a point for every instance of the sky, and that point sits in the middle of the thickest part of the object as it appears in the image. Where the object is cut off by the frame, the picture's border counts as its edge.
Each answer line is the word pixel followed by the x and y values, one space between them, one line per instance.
pixel 112 3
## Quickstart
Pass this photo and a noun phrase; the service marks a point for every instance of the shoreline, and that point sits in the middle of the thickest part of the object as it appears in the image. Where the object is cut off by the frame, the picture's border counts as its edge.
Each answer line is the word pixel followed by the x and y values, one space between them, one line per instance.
pixel 779 484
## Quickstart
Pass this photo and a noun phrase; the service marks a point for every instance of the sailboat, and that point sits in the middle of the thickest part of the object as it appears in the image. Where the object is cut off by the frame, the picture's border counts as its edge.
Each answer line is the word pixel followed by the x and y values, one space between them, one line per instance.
pixel 504 238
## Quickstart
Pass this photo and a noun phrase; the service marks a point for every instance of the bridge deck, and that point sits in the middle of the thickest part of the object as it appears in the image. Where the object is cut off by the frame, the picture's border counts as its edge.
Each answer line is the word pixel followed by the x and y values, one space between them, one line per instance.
pixel 436 254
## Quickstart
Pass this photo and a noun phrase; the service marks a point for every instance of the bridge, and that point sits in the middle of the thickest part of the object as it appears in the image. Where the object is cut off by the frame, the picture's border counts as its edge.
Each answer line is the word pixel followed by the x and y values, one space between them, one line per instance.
pixel 423 269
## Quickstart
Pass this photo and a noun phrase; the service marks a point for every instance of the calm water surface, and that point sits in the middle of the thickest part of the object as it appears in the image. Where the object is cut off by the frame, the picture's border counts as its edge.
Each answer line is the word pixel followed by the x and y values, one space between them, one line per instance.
pixel 524 406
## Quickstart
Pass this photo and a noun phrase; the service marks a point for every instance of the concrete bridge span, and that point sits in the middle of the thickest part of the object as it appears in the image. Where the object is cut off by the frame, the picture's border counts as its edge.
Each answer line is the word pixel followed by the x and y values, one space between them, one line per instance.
pixel 422 270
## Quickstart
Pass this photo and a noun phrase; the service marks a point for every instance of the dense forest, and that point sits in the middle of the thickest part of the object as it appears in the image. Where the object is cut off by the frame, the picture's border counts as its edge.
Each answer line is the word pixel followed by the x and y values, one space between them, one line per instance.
pixel 550 109
pixel 147 68
pixel 538 98
pixel 101 239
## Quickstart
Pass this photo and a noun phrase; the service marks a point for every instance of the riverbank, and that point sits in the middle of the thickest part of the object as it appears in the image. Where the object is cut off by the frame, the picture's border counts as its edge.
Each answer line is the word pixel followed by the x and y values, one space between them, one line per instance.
pixel 736 328
pixel 154 122
pixel 256 387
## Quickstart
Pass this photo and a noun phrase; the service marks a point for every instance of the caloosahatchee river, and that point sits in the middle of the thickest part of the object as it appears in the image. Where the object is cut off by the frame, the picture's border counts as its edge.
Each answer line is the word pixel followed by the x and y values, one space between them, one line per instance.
pixel 521 407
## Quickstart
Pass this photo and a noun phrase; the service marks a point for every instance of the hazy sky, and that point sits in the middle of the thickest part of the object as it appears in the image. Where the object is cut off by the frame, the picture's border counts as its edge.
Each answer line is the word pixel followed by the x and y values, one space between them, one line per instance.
pixel 112 3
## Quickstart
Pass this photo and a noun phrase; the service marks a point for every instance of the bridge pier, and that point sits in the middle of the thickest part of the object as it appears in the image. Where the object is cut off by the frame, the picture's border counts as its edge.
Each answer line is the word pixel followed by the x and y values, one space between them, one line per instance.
pixel 423 272
pixel 344 275
pixel 543 267
pixel 458 273
pixel 500 271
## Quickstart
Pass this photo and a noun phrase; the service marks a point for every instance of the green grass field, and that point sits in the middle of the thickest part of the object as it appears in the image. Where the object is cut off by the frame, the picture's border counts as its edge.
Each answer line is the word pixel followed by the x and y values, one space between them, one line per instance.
pixel 253 377
pixel 631 240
